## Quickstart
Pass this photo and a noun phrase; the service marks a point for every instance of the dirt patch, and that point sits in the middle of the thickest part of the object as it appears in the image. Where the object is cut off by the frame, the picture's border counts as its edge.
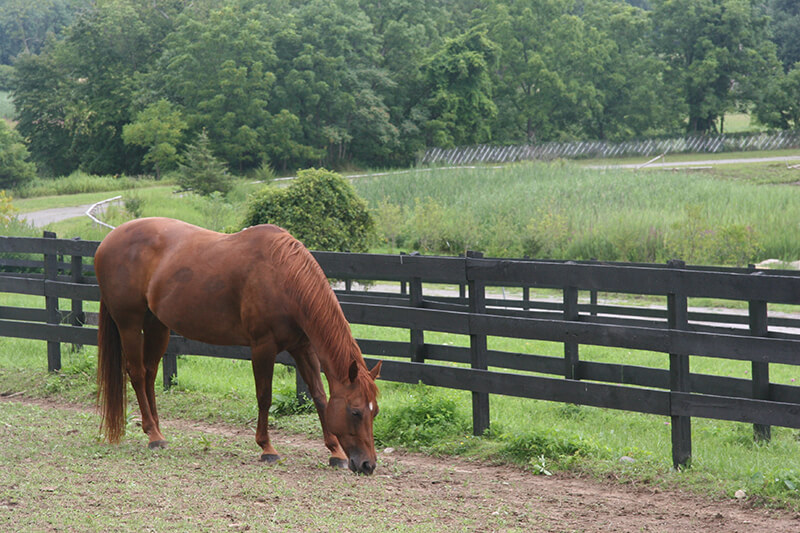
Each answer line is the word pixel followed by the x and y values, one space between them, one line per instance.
pixel 423 493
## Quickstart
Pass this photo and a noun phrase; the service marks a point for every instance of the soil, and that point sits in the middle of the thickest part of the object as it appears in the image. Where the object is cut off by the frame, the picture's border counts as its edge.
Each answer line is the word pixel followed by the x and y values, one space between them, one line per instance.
pixel 484 495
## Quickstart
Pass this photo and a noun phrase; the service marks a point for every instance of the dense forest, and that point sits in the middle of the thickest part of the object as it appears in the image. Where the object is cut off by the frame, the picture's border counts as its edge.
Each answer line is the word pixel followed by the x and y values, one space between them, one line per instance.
pixel 123 86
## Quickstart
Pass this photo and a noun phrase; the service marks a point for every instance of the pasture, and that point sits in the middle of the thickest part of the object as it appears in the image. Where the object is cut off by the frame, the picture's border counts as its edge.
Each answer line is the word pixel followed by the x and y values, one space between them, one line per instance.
pixel 57 477
pixel 539 436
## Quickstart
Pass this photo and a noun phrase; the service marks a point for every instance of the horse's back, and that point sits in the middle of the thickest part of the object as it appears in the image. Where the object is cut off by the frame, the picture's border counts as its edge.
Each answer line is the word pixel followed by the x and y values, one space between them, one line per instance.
pixel 194 280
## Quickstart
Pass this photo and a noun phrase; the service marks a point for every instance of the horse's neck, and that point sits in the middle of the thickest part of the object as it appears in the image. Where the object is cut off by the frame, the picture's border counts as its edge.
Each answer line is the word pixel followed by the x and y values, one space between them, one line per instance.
pixel 327 328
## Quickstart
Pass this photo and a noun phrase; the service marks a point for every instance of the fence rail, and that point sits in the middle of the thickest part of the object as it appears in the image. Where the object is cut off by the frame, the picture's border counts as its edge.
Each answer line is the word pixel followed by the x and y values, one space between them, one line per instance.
pixel 606 149
pixel 477 302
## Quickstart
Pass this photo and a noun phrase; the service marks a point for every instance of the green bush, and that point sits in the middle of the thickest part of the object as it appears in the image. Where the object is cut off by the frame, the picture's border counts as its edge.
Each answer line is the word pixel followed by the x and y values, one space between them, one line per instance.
pixel 425 417
pixel 320 208
pixel 15 169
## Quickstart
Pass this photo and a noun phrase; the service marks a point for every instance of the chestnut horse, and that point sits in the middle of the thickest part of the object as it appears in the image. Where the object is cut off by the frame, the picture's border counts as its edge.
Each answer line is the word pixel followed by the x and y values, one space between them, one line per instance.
pixel 260 288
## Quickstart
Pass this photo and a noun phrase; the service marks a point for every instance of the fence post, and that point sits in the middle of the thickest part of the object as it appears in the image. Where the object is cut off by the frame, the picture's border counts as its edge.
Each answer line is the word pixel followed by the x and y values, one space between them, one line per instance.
pixel 758 327
pixel 571 357
pixel 169 369
pixel 681 426
pixel 51 305
pixel 417 335
pixel 478 351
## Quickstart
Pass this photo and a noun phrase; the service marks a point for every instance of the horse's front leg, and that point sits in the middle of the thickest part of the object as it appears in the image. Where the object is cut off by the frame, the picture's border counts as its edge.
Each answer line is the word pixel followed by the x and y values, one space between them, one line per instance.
pixel 309 368
pixel 263 356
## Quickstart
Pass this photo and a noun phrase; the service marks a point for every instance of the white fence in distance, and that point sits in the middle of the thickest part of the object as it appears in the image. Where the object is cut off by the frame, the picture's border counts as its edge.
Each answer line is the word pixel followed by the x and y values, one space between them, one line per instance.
pixel 485 153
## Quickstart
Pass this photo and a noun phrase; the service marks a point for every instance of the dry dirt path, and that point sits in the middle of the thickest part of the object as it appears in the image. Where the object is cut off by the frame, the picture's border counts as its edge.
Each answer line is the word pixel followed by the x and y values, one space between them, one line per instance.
pixel 415 492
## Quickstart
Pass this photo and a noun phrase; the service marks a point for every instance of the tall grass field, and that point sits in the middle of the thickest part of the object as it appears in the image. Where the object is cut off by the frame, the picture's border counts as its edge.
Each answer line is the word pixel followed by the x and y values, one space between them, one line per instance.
pixel 564 211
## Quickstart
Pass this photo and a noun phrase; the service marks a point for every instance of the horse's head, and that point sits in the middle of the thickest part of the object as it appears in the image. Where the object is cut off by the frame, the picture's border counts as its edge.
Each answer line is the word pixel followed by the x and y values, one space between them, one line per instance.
pixel 349 415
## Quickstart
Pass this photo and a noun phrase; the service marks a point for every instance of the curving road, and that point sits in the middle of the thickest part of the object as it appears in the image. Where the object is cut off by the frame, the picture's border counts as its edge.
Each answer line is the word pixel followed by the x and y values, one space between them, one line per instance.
pixel 44 217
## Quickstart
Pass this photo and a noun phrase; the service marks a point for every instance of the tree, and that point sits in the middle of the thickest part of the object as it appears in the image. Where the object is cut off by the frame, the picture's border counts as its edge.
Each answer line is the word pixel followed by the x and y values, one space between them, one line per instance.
pixel 633 99
pixel 319 208
pixel 159 128
pixel 779 106
pixel 24 25
pixel 328 76
pixel 547 79
pixel 784 22
pixel 14 167
pixel 718 54
pixel 216 68
pixel 74 98
pixel 460 90
pixel 202 172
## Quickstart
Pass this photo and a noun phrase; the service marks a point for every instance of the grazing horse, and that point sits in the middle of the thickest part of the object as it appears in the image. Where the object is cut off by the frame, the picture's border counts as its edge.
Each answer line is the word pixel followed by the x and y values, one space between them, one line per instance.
pixel 260 288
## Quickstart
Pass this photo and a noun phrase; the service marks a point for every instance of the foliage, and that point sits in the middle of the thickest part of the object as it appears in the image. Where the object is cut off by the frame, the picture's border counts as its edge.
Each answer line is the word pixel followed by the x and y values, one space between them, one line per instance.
pixel 7 210
pixel 562 211
pixel 460 102
pixel 424 418
pixel 25 25
pixel 784 21
pixel 293 84
pixel 319 208
pixel 159 128
pixel 79 182
pixel 15 169
pixel 718 53
pixel 531 448
pixel 779 107
pixel 201 172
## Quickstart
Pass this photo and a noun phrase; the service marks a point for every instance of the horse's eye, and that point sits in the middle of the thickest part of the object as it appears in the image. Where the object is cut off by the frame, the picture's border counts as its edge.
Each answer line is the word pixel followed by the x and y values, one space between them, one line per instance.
pixel 356 413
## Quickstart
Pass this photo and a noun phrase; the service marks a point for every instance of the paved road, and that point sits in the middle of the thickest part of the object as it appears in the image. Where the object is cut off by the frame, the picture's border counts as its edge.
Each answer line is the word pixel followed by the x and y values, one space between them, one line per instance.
pixel 44 217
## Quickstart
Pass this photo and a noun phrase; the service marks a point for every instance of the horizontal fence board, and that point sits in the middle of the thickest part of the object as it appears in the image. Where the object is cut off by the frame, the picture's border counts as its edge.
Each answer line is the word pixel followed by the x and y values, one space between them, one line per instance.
pixel 40 245
pixel 535 387
pixel 48 332
pixel 391 267
pixel 737 409
pixel 22 285
pixel 78 291
pixel 639 280
pixel 24 314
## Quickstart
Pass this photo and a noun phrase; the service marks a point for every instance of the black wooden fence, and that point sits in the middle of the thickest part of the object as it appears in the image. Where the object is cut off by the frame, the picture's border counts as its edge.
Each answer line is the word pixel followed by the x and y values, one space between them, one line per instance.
pixel 491 298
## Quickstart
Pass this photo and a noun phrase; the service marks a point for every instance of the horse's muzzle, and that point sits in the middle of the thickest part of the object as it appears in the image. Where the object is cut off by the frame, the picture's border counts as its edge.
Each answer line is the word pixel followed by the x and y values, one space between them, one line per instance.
pixel 361 466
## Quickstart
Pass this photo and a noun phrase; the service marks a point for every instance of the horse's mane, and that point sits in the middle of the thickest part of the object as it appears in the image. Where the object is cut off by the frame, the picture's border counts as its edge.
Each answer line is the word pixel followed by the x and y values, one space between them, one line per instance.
pixel 321 316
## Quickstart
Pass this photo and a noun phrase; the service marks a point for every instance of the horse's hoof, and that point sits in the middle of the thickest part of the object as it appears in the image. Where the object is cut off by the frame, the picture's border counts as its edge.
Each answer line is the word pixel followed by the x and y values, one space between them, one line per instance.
pixel 270 458
pixel 157 445
pixel 335 462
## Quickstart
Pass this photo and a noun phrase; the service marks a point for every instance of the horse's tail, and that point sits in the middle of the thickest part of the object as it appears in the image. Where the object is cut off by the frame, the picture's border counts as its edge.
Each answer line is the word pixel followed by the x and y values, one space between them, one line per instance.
pixel 111 379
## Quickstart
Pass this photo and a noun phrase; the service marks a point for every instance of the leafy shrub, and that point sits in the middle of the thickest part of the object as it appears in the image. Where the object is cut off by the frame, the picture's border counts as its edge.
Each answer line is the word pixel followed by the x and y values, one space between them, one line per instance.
pixel 425 417
pixel 14 165
pixel 320 208
pixel 530 448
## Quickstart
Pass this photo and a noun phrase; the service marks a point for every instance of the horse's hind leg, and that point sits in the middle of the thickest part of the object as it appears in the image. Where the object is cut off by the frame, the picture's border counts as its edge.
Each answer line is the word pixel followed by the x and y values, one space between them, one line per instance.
pixel 132 338
pixel 309 368
pixel 263 356
pixel 156 338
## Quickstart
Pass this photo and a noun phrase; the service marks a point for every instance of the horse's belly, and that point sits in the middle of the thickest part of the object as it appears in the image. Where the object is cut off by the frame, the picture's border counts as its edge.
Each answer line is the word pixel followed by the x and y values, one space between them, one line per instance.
pixel 203 309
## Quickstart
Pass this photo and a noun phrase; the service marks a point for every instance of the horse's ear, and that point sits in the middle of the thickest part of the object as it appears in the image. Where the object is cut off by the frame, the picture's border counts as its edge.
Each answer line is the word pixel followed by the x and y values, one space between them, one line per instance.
pixel 353 372
pixel 376 371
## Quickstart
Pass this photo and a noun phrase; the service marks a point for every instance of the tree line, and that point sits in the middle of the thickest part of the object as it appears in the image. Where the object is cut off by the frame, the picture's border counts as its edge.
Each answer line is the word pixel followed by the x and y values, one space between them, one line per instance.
pixel 123 86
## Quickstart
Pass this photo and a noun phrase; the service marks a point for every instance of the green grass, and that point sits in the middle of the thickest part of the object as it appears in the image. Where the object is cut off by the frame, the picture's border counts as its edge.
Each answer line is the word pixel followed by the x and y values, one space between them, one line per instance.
pixel 563 211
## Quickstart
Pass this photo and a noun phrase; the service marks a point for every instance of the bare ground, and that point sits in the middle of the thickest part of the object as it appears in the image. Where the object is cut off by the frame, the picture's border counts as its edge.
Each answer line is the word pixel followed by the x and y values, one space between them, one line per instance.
pixel 417 492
